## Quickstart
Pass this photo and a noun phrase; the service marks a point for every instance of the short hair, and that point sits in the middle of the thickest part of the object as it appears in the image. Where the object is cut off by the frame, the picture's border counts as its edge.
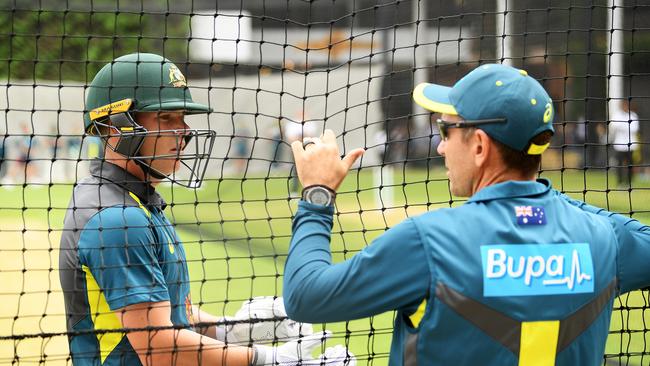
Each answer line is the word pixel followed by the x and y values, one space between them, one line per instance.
pixel 520 161
pixel 468 132
pixel 517 160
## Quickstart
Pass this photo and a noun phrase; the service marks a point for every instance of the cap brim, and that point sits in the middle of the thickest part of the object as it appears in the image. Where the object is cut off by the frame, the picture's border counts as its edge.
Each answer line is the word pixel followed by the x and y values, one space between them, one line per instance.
pixel 434 98
pixel 189 108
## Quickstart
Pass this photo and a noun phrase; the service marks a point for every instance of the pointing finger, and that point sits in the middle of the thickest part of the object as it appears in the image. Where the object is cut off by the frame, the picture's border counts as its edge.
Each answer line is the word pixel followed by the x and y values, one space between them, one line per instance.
pixel 352 156
pixel 329 137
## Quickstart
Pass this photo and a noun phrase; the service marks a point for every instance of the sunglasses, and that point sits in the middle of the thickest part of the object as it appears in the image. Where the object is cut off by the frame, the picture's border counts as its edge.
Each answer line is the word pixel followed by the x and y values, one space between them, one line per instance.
pixel 443 125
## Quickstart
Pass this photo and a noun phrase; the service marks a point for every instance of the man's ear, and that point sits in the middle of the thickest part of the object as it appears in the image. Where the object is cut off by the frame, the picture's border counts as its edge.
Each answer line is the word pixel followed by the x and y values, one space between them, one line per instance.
pixel 482 148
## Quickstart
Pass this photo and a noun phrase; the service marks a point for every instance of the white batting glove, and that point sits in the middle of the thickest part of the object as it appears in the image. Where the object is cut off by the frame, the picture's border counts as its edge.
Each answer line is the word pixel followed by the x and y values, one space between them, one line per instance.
pixel 298 353
pixel 264 307
pixel 338 355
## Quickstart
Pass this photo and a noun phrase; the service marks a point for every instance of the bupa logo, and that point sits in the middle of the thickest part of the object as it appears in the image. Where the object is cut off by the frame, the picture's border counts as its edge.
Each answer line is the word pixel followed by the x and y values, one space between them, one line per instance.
pixel 536 269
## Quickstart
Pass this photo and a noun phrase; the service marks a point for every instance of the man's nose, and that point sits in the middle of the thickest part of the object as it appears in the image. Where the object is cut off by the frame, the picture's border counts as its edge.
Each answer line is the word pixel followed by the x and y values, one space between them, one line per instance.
pixel 441 147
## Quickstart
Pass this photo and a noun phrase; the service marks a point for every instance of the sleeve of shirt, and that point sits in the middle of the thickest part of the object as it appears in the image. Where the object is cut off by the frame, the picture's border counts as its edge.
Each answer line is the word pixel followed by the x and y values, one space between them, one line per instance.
pixel 633 250
pixel 391 273
pixel 118 247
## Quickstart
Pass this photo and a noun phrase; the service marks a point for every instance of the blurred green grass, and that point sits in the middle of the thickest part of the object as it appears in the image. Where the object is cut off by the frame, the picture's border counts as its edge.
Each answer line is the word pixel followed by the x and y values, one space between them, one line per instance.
pixel 237 230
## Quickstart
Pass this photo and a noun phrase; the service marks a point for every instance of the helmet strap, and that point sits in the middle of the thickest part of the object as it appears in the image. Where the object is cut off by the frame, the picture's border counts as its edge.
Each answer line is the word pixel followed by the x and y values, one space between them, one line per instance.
pixel 148 170
pixel 130 141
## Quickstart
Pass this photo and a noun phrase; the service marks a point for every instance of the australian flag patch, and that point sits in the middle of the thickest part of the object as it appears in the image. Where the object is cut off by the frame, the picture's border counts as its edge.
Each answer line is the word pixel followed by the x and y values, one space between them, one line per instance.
pixel 530 215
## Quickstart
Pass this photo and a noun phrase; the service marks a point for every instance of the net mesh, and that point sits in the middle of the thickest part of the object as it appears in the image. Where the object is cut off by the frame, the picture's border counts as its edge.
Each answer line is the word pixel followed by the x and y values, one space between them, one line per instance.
pixel 274 72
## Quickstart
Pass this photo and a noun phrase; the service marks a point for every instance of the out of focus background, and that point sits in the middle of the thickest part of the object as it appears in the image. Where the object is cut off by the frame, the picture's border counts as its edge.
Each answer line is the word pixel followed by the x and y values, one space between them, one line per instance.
pixel 278 71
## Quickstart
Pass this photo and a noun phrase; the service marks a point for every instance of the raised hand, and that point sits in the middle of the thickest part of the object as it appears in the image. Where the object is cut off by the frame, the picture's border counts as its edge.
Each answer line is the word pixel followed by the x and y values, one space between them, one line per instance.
pixel 318 161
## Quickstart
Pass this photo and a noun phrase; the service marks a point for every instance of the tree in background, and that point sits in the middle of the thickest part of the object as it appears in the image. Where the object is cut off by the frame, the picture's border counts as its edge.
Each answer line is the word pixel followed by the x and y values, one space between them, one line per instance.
pixel 73 41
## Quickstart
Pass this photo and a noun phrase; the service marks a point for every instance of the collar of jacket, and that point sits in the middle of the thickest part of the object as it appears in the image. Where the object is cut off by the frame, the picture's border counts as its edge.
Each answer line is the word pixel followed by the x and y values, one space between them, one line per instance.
pixel 511 189
pixel 109 172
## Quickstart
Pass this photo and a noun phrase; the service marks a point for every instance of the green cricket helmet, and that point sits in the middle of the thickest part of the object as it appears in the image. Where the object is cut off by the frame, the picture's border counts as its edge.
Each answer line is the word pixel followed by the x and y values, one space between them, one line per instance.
pixel 145 82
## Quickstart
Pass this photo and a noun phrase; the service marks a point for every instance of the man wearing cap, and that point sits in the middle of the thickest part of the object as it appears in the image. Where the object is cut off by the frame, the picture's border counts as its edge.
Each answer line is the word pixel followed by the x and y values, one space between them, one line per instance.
pixel 518 275
pixel 122 265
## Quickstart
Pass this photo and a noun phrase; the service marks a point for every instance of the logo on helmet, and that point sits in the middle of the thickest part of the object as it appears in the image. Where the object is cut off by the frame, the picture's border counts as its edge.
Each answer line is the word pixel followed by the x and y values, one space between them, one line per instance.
pixel 176 77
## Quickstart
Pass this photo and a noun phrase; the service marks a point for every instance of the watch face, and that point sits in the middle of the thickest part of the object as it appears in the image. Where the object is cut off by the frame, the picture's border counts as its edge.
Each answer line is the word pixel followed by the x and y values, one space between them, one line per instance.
pixel 319 196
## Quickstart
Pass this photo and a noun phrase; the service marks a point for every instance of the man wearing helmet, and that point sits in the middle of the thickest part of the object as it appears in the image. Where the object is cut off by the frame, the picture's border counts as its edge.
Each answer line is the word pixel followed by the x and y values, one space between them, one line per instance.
pixel 122 266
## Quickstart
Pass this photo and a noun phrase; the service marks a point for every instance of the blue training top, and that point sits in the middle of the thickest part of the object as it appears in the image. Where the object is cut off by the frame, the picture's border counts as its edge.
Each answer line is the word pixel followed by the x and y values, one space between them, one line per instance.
pixel 117 249
pixel 519 275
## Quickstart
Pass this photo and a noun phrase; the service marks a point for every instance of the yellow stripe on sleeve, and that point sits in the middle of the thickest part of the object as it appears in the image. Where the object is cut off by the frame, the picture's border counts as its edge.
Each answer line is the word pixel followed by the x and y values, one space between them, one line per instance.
pixel 416 317
pixel 538 344
pixel 102 316
pixel 140 204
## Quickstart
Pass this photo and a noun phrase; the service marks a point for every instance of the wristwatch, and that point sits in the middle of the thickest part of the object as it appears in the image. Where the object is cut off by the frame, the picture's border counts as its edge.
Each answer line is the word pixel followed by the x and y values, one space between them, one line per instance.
pixel 319 195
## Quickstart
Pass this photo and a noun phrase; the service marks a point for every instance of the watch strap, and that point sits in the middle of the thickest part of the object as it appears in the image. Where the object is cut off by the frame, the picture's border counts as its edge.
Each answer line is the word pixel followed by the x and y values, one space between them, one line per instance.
pixel 330 190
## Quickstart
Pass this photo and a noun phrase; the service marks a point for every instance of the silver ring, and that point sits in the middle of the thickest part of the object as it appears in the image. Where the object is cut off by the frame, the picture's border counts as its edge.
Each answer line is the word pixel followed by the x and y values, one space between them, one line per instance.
pixel 307 143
